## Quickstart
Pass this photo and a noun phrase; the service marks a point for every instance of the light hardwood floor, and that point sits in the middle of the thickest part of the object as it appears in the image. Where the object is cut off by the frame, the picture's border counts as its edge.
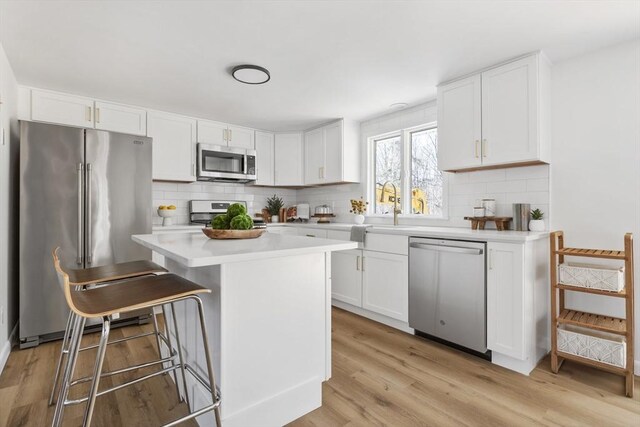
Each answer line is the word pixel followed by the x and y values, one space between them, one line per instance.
pixel 380 377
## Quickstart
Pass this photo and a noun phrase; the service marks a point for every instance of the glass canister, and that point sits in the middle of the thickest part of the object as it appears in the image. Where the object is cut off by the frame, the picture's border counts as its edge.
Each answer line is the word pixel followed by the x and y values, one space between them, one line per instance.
pixel 489 206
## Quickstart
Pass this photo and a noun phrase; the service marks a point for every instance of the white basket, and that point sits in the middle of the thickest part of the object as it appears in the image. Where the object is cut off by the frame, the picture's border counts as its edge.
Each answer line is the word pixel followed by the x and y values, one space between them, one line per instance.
pixel 600 346
pixel 592 276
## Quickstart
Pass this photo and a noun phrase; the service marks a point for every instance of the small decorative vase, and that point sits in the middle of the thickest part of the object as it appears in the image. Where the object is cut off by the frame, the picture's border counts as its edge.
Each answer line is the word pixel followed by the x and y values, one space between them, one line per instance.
pixel 536 225
pixel 358 219
pixel 275 219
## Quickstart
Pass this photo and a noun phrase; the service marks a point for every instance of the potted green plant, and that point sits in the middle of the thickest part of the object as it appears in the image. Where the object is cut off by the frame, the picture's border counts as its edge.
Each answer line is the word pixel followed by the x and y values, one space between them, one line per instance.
pixel 536 223
pixel 274 204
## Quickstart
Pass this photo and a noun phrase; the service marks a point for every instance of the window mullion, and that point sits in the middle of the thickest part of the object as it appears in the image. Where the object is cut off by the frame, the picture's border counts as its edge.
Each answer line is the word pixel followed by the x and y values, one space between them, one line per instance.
pixel 406 172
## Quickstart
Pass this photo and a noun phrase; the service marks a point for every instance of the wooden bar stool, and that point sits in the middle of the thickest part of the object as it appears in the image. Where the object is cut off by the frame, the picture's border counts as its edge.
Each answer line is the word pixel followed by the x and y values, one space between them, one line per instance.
pixel 103 275
pixel 104 302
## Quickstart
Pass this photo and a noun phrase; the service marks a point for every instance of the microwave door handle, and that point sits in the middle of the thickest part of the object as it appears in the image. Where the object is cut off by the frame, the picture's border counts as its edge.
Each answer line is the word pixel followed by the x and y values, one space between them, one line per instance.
pixel 246 164
pixel 443 248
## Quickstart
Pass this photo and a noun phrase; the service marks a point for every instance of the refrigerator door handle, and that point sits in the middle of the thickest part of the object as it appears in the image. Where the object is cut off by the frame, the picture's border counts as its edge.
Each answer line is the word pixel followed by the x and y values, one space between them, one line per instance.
pixel 89 224
pixel 79 252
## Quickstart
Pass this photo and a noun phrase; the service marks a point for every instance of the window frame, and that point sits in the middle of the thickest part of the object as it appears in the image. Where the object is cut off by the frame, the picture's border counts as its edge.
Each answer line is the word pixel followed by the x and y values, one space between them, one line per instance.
pixel 405 174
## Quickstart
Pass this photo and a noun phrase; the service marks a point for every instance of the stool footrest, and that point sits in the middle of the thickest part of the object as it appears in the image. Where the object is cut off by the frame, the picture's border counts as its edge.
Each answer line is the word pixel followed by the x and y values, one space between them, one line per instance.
pixel 90 347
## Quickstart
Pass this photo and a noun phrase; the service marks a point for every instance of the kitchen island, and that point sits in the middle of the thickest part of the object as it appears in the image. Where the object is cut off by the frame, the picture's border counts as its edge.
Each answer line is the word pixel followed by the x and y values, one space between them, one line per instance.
pixel 268 318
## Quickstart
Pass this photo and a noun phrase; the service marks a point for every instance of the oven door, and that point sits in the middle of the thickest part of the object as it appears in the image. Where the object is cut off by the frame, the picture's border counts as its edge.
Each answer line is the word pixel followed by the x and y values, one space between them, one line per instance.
pixel 223 163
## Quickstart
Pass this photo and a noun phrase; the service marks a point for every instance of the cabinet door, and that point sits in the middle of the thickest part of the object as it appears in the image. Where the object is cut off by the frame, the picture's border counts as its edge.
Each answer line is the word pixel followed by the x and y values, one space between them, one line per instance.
pixel 505 299
pixel 288 159
pixel 314 152
pixel 264 158
pixel 333 153
pixel 210 132
pixel 120 118
pixel 174 140
pixel 61 109
pixel 346 277
pixel 459 124
pixel 240 137
pixel 510 113
pixel 385 284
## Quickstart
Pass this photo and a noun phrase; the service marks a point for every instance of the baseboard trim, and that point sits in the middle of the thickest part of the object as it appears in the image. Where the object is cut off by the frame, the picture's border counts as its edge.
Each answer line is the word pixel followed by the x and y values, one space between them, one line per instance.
pixel 6 348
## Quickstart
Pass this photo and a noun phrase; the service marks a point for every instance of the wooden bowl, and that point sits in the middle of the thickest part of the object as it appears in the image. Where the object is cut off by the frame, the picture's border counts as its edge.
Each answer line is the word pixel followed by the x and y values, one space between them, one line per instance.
pixel 233 234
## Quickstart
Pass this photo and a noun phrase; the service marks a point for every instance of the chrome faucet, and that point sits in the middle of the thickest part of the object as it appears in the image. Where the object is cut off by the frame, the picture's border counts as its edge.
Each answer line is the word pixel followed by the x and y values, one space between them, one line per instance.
pixel 396 211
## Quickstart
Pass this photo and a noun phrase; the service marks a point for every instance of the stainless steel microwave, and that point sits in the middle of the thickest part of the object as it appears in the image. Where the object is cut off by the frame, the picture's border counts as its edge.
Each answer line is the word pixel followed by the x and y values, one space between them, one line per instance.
pixel 226 164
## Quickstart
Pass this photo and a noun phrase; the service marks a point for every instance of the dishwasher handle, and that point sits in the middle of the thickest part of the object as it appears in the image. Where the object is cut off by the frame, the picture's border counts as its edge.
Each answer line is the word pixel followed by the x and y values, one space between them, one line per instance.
pixel 444 248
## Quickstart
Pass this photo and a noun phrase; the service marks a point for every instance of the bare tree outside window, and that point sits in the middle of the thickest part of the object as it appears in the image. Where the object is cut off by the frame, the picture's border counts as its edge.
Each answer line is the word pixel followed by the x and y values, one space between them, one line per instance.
pixel 426 179
pixel 388 155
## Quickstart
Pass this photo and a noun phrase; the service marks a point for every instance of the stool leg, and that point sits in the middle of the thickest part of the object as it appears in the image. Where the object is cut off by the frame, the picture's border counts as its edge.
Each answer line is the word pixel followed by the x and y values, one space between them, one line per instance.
pixel 156 330
pixel 97 371
pixel 173 362
pixel 212 380
pixel 74 348
pixel 63 350
pixel 180 355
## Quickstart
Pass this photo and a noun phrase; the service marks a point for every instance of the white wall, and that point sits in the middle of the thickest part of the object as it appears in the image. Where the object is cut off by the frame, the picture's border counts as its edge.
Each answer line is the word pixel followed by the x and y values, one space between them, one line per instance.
pixel 8 207
pixel 178 194
pixel 595 173
pixel 507 186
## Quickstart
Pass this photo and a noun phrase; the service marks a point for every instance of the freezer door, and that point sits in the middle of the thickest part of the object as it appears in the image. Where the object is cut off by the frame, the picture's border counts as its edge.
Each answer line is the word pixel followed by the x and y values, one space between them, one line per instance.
pixel 118 194
pixel 51 189
pixel 447 291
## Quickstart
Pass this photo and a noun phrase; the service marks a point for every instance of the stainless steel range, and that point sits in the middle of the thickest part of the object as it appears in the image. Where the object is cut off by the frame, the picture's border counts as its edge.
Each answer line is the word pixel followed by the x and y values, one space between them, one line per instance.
pixel 201 212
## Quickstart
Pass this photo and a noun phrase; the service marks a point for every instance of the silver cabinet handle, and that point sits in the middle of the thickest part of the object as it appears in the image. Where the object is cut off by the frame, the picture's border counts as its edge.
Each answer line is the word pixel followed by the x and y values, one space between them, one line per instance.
pixel 311 235
pixel 87 114
pixel 97 115
pixel 89 219
pixel 230 134
pixel 79 252
pixel 358 263
pixel 443 248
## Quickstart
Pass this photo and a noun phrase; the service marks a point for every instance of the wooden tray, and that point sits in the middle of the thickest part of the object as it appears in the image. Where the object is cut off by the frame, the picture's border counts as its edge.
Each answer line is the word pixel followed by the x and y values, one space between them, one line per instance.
pixel 233 234
pixel 502 222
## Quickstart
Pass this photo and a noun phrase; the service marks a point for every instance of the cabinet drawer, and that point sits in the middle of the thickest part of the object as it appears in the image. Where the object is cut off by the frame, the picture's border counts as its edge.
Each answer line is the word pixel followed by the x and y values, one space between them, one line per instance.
pixel 387 243
pixel 312 232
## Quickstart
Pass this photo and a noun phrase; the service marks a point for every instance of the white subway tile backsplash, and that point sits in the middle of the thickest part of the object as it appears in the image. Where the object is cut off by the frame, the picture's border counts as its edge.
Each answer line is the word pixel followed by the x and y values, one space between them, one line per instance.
pixel 515 186
pixel 539 184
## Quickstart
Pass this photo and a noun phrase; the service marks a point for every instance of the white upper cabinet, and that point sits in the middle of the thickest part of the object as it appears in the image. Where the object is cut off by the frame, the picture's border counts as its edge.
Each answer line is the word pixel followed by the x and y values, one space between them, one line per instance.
pixel 331 153
pixel 495 118
pixel 265 142
pixel 459 124
pixel 216 133
pixel 288 159
pixel 174 139
pixel 120 118
pixel 210 132
pixel 240 137
pixel 61 108
pixel 314 156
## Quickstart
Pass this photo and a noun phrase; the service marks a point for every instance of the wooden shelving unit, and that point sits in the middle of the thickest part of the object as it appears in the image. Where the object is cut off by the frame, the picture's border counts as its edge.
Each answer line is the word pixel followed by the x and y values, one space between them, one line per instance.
pixel 562 315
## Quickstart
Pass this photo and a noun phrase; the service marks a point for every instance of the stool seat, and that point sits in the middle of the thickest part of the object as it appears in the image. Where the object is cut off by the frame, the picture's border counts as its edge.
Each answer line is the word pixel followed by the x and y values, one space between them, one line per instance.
pixel 107 273
pixel 142 292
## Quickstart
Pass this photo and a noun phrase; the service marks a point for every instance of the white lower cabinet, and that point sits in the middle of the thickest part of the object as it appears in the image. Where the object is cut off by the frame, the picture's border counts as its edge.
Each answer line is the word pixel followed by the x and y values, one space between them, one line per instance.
pixel 385 287
pixel 505 299
pixel 346 276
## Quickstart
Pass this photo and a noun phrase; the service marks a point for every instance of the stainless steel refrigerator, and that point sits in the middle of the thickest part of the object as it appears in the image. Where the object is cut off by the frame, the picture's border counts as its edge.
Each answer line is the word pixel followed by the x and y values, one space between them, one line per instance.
pixel 86 191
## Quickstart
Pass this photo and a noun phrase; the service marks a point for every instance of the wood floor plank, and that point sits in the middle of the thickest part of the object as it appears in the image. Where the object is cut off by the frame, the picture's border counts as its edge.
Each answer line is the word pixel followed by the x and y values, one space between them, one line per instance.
pixel 381 377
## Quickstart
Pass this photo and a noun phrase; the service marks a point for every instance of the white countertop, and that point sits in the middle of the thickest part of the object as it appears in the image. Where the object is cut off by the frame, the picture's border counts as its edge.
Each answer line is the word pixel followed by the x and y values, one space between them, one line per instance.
pixel 406 230
pixel 197 250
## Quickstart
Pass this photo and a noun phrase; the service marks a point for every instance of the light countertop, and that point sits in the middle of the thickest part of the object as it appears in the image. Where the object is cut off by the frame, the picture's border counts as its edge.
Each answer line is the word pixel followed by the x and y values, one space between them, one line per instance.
pixel 406 230
pixel 197 250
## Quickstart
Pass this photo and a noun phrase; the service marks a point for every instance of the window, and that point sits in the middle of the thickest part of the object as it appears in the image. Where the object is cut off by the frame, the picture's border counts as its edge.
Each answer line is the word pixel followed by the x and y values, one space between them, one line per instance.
pixel 408 160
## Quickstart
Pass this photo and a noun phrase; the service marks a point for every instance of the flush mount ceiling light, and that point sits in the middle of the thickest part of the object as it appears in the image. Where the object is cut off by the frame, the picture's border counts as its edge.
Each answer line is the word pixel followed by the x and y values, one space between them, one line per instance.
pixel 398 105
pixel 251 74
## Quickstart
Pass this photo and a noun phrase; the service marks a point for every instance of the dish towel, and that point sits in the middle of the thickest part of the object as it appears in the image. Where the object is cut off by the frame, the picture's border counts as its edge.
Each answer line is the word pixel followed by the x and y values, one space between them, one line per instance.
pixel 358 233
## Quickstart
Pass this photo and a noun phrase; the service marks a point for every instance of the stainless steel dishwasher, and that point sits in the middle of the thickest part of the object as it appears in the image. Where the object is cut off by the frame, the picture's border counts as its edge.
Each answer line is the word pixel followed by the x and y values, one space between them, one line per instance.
pixel 447 291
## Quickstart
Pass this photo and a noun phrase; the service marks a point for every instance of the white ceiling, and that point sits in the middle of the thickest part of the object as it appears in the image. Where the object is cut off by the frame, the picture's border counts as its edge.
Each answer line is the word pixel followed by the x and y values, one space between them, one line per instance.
pixel 327 59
